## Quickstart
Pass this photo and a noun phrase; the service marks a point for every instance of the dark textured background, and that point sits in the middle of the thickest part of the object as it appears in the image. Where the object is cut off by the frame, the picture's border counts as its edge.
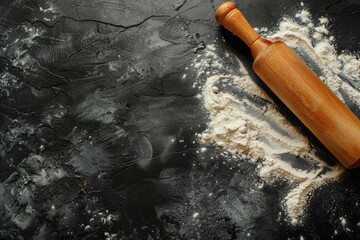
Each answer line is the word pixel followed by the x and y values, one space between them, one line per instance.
pixel 99 96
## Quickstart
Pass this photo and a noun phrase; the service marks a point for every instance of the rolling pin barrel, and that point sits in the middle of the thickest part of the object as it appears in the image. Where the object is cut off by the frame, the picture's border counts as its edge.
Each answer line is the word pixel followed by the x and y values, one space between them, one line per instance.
pixel 321 111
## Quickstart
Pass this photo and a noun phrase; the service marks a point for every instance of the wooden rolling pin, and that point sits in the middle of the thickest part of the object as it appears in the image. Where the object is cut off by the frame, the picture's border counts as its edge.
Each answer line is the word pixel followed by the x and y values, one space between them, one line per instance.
pixel 322 112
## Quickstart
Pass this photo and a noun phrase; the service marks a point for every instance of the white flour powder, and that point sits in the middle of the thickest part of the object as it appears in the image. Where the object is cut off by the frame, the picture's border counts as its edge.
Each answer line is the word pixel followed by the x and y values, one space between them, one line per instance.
pixel 245 122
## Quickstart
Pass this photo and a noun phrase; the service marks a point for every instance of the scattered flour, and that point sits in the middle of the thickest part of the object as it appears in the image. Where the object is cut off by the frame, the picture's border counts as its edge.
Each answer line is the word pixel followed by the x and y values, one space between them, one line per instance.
pixel 245 123
pixel 110 236
pixel 304 16
pixel 343 221
pixel 195 215
pixel 50 9
pixel 17 50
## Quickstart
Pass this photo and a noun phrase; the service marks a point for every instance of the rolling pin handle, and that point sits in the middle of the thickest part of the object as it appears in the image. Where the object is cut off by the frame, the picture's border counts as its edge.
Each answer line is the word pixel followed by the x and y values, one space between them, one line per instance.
pixel 233 20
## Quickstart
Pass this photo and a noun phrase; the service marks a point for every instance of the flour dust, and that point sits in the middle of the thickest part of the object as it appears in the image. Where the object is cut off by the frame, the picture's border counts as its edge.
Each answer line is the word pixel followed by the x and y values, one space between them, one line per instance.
pixel 244 121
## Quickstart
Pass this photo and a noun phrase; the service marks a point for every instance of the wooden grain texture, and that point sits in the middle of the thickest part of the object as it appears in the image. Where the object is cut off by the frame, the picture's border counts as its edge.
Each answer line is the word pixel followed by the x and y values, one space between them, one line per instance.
pixel 321 111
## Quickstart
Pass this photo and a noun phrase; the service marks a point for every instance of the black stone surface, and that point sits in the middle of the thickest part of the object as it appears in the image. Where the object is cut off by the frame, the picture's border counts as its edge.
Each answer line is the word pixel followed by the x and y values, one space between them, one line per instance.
pixel 89 107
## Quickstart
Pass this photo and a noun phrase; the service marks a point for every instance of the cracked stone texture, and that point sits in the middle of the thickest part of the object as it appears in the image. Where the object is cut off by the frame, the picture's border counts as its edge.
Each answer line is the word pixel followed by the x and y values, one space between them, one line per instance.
pixel 98 127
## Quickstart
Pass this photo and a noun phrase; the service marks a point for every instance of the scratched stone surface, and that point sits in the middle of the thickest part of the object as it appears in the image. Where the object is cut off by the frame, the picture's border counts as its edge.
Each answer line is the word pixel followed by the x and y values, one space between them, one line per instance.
pixel 98 126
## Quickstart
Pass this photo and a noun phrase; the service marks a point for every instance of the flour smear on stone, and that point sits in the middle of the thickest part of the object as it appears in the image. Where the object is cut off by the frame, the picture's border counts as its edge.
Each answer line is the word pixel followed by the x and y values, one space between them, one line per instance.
pixel 244 121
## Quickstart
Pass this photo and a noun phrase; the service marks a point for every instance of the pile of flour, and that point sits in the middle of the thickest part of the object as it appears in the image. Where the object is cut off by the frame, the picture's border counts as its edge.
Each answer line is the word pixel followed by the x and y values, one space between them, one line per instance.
pixel 244 121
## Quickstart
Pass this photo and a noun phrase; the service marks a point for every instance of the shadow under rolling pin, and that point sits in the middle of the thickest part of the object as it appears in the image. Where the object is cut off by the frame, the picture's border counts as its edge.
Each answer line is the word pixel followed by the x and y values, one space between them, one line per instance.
pixel 317 107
